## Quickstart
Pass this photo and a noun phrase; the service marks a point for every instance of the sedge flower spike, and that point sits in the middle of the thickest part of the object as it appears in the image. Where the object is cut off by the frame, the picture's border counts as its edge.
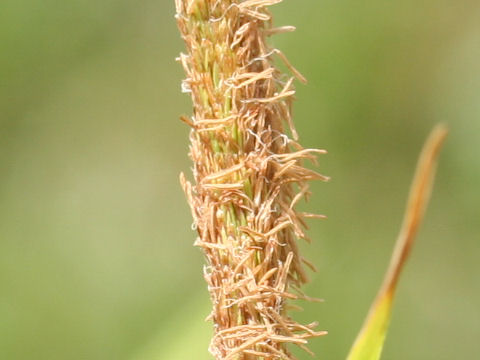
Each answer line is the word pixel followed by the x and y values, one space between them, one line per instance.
pixel 248 177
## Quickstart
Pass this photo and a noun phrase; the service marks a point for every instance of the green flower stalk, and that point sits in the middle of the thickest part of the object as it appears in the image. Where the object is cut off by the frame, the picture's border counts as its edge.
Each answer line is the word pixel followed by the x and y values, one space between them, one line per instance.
pixel 248 175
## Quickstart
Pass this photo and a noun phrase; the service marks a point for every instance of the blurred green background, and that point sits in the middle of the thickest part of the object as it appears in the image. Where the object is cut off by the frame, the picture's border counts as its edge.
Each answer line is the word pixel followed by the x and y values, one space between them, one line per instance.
pixel 96 255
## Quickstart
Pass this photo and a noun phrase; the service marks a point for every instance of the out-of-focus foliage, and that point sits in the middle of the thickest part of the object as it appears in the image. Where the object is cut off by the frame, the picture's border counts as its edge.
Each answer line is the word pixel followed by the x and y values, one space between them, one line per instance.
pixel 96 256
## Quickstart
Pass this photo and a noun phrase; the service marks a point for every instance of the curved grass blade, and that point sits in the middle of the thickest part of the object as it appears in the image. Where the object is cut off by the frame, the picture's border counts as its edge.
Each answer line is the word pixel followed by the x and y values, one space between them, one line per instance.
pixel 369 342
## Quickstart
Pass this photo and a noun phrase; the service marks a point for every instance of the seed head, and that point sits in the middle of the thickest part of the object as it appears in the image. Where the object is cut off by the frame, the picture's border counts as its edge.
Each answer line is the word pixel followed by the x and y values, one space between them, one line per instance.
pixel 248 176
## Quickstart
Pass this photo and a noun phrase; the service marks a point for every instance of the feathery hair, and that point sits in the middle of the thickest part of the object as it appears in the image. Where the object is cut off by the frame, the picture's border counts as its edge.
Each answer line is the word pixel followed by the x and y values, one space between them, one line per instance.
pixel 248 176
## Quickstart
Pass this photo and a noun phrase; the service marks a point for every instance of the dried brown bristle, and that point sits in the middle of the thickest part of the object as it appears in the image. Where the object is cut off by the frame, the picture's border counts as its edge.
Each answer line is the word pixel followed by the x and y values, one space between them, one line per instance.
pixel 248 176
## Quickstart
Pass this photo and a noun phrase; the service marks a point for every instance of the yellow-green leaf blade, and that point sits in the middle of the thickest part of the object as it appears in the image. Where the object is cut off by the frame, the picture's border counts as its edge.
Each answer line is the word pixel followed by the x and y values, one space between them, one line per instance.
pixel 369 342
